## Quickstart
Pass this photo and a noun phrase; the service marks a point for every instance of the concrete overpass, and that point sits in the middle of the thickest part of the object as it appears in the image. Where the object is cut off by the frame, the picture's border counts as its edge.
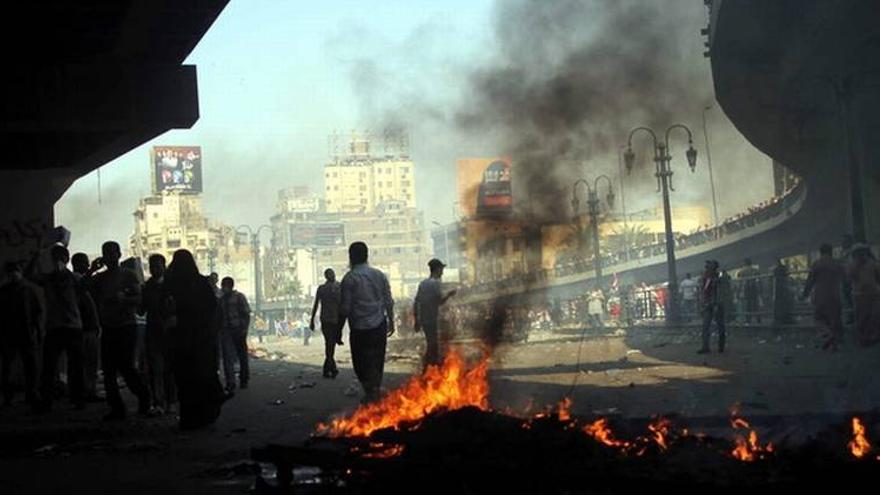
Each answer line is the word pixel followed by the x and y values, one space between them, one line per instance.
pixel 799 79
pixel 86 81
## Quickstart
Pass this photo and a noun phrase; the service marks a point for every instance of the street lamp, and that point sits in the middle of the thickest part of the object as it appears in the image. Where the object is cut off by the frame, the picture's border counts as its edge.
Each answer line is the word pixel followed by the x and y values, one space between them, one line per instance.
pixel 593 209
pixel 709 162
pixel 663 172
pixel 258 272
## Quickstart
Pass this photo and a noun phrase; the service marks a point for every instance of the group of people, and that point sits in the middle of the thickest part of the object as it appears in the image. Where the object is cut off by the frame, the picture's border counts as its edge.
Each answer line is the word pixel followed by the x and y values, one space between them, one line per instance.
pixel 832 285
pixel 91 314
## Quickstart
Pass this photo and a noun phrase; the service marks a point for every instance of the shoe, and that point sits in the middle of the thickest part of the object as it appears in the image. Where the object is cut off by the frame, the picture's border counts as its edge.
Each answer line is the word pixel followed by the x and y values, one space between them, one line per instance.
pixel 93 398
pixel 720 350
pixel 79 406
pixel 334 374
pixel 115 416
pixel 243 385
pixel 703 351
pixel 340 342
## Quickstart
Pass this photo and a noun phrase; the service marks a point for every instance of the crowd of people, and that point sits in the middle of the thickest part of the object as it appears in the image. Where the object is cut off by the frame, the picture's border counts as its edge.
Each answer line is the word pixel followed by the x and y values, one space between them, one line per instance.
pixel 163 337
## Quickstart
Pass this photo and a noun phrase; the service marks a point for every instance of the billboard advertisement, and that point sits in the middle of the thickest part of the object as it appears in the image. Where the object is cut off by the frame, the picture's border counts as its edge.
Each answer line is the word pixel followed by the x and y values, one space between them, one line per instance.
pixel 484 187
pixel 322 234
pixel 177 168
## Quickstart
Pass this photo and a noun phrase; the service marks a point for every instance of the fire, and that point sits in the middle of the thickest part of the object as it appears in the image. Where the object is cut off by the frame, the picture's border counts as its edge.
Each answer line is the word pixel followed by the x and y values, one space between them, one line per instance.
pixel 659 430
pixel 564 410
pixel 748 450
pixel 452 385
pixel 859 446
pixel 599 430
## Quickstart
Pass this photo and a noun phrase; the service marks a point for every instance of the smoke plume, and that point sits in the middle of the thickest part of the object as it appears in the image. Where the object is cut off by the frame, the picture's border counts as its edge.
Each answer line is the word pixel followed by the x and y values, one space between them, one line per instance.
pixel 572 77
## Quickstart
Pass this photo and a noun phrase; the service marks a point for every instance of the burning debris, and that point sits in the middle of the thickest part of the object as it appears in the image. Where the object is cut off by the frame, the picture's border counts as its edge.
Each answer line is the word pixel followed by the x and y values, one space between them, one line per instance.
pixel 440 426
pixel 859 446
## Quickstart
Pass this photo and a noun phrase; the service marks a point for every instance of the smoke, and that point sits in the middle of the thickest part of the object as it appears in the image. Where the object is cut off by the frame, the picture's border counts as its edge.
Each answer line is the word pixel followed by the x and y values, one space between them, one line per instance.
pixel 571 78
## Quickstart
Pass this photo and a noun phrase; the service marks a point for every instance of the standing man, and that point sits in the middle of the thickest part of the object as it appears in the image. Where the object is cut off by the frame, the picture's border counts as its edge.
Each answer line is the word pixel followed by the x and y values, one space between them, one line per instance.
pixel 688 289
pixel 426 310
pixel 118 295
pixel 65 295
pixel 781 294
pixel 91 329
pixel 329 296
pixel 751 290
pixel 22 311
pixel 235 319
pixel 712 298
pixel 596 308
pixel 158 308
pixel 367 305
pixel 825 281
pixel 215 279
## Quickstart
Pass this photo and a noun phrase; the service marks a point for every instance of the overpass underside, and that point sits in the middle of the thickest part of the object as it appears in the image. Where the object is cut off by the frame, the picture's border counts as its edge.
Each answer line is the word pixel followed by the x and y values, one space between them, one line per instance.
pixel 85 82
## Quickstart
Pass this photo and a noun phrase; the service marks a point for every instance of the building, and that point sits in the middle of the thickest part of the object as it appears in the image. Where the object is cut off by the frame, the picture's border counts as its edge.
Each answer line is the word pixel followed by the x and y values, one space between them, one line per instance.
pixel 170 220
pixel 358 179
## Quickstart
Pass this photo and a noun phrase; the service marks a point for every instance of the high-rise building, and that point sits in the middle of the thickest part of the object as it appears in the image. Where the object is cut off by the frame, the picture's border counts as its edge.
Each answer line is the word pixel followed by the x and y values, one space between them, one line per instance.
pixel 357 179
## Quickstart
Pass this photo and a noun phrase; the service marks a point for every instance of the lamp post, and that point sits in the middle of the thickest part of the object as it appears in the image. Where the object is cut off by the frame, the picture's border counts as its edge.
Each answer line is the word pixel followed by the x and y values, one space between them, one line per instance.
pixel 709 162
pixel 593 210
pixel 258 272
pixel 663 172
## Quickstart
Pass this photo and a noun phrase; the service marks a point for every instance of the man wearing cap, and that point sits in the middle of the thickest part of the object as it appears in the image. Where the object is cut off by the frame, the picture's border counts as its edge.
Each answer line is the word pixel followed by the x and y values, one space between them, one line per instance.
pixel 426 309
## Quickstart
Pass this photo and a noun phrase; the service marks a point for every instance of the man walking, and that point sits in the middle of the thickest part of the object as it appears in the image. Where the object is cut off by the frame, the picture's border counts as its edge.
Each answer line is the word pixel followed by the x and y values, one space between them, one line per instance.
pixel 426 310
pixel 367 305
pixel 825 282
pixel 329 297
pixel 118 294
pixel 22 311
pixel 711 298
pixel 235 319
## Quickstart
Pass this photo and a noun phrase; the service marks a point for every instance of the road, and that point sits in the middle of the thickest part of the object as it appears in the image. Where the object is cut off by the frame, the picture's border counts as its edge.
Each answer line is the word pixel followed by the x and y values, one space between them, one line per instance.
pixel 633 373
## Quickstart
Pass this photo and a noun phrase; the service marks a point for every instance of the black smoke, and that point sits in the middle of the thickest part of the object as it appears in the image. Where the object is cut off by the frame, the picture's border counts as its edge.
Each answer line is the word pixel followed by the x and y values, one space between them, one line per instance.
pixel 571 78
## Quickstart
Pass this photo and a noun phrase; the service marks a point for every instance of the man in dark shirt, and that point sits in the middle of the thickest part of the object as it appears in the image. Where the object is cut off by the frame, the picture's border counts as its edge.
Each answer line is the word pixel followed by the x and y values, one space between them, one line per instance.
pixel 235 319
pixel 118 295
pixel 65 295
pixel 329 297
pixel 825 282
pixel 91 330
pixel 712 290
pixel 158 308
pixel 22 311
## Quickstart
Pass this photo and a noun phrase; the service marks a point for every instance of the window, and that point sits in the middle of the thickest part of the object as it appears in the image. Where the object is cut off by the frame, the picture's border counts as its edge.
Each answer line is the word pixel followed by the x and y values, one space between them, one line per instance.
pixel 334 174
pixel 335 188
pixel 405 183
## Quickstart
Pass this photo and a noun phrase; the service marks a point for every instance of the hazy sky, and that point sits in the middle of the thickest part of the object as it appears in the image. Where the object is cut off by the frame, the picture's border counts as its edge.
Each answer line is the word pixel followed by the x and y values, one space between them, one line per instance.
pixel 276 77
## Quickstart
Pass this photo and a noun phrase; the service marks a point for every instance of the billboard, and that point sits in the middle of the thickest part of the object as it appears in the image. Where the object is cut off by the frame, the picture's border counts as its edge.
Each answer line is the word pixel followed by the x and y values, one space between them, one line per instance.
pixel 319 234
pixel 484 187
pixel 176 168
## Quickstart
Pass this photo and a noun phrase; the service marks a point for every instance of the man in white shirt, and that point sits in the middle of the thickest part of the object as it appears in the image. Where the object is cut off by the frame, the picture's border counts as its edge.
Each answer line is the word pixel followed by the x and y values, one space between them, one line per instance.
pixel 688 289
pixel 367 304
pixel 426 309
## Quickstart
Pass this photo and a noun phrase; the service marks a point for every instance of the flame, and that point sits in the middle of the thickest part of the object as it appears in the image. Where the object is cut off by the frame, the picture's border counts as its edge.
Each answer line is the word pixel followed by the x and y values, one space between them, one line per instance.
pixel 564 409
pixel 859 446
pixel 599 430
pixel 449 386
pixel 659 430
pixel 382 451
pixel 748 450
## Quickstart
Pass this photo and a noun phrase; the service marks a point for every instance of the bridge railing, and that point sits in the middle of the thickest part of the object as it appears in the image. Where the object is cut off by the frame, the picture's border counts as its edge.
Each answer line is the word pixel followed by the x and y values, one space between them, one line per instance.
pixel 773 208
